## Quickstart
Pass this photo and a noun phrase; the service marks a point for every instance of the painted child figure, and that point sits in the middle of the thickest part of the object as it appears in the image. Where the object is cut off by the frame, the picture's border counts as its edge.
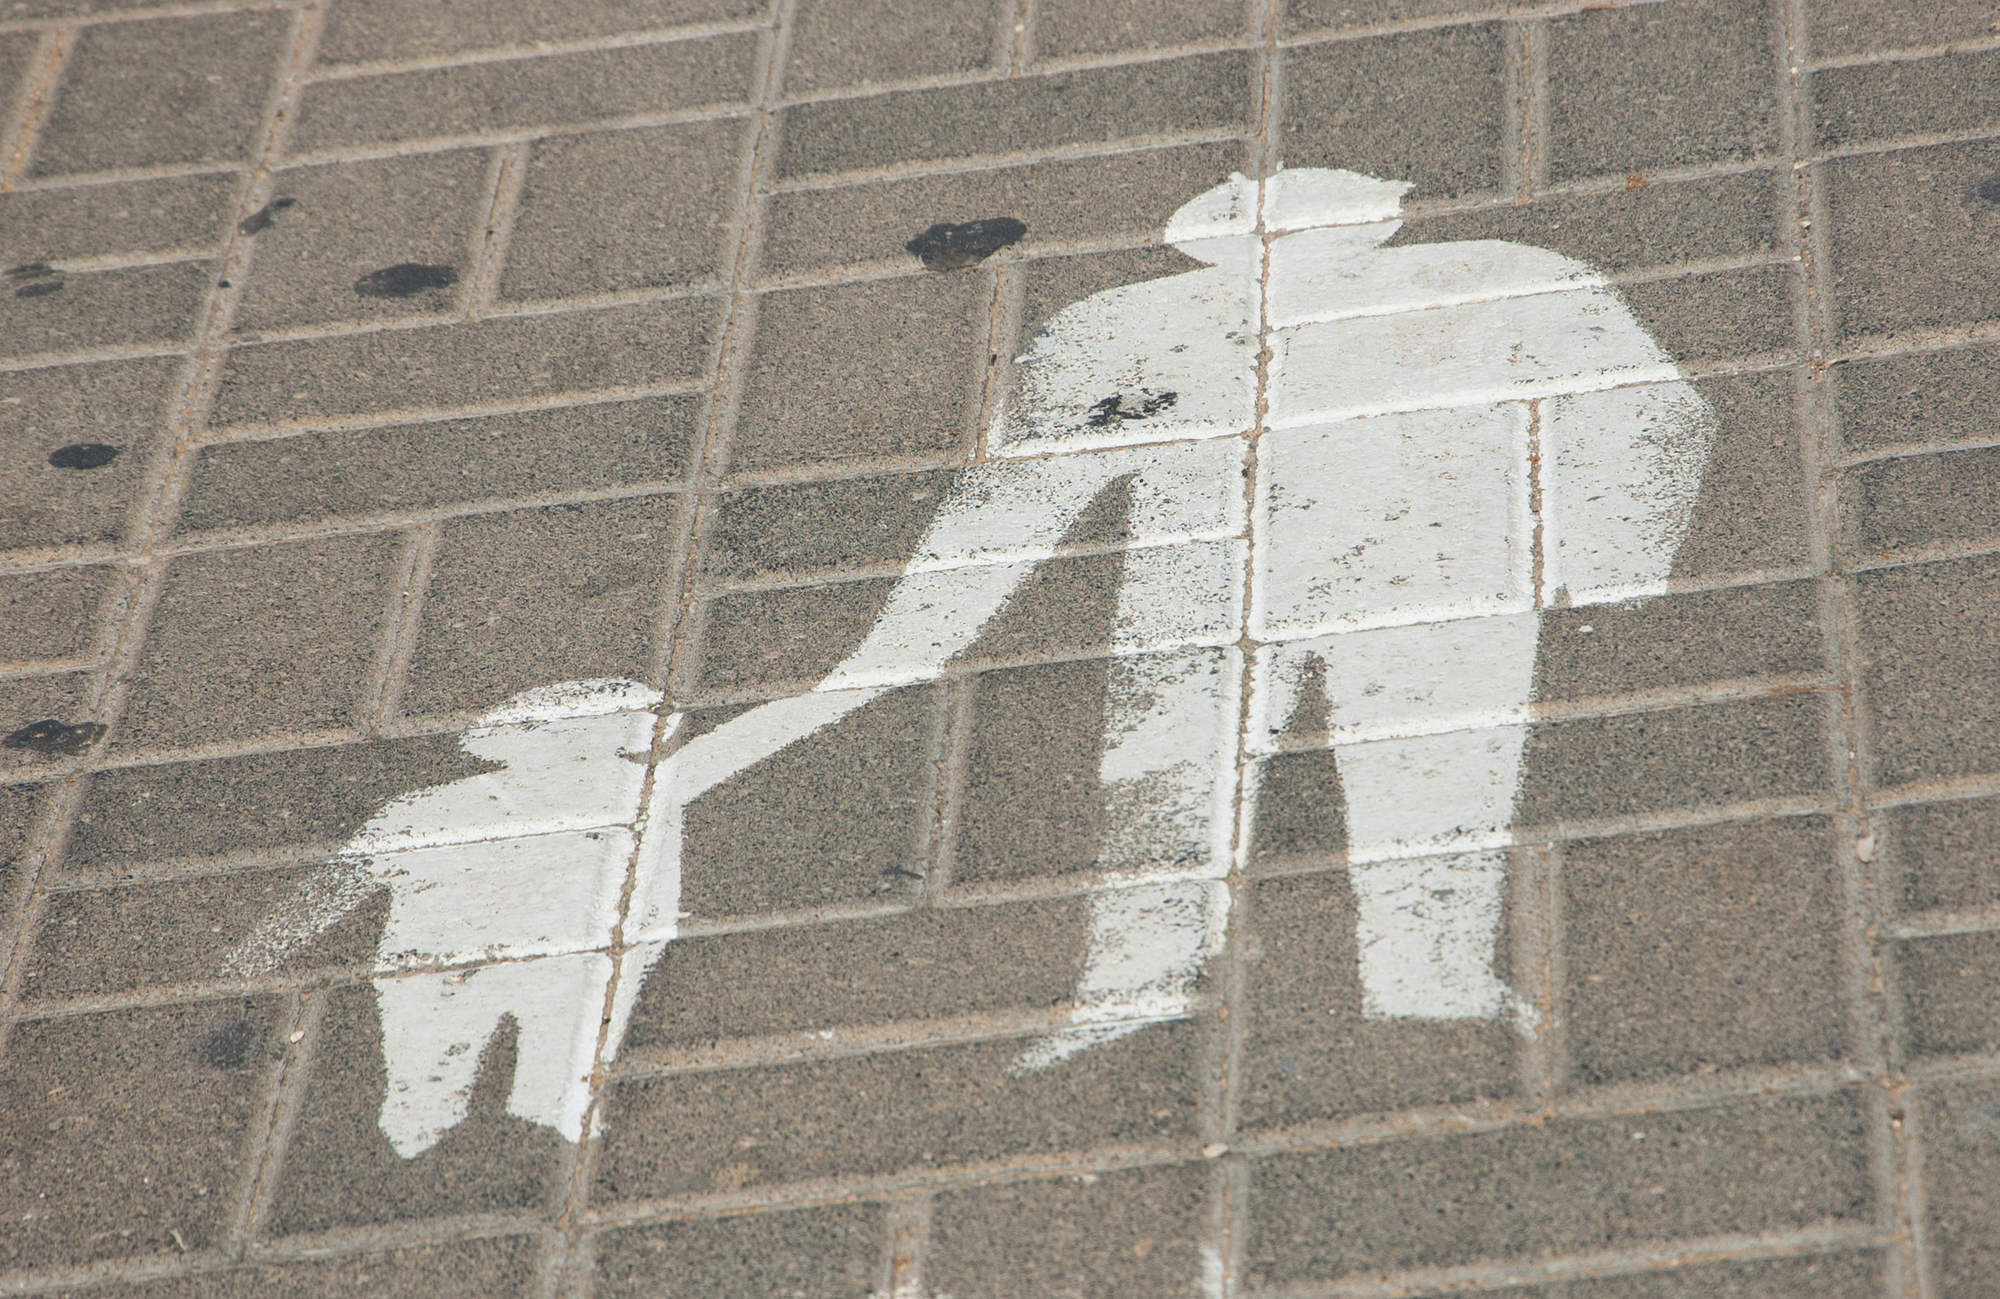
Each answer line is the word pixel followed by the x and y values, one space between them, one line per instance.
pixel 1454 437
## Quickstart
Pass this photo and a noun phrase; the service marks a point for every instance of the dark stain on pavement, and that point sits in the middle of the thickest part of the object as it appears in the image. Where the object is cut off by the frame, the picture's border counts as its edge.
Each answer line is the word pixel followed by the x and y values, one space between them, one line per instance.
pixel 55 738
pixel 1113 410
pixel 405 280
pixel 1988 191
pixel 948 247
pixel 35 279
pixel 83 455
pixel 264 217
pixel 227 1047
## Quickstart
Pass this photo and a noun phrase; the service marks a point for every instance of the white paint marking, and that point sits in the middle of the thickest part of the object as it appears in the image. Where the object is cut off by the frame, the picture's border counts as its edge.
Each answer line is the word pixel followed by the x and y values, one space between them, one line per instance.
pixel 1420 679
pixel 1391 540
pixel 1426 930
pixel 1395 520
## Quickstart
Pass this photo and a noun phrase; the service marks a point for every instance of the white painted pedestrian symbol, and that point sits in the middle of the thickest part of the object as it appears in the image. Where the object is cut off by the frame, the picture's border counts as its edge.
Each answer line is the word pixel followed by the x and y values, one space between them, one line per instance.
pixel 1455 437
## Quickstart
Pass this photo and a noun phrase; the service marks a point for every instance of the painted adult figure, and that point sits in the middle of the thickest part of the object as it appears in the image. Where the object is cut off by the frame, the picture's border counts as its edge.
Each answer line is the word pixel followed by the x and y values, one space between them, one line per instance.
pixel 1453 437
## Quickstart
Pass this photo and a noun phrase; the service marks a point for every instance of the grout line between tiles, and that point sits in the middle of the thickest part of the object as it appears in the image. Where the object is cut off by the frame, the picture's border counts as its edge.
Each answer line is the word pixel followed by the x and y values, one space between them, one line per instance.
pixel 731 359
pixel 1861 955
pixel 503 54
pixel 509 176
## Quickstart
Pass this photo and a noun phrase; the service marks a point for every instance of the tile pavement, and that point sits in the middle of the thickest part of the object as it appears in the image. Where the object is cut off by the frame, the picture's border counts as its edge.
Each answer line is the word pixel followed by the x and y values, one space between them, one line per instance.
pixel 658 392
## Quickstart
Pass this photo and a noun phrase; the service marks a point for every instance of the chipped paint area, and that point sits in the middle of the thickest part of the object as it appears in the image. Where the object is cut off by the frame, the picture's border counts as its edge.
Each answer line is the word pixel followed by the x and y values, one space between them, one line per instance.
pixel 1458 436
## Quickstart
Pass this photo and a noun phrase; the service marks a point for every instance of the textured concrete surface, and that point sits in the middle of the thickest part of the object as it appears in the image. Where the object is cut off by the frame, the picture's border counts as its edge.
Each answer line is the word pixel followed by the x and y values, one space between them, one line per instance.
pixel 366 362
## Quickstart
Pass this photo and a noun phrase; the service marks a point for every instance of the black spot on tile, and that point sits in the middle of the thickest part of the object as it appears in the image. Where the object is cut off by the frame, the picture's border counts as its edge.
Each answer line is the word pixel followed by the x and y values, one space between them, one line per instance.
pixel 39 289
pixel 55 737
pixel 947 247
pixel 1988 191
pixel 1113 410
pixel 264 217
pixel 405 280
pixel 228 1047
pixel 83 455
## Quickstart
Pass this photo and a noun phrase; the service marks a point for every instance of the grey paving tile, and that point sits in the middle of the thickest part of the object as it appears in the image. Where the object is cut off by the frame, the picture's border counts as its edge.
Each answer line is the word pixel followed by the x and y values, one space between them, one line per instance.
pixel 1630 229
pixel 1127 196
pixel 653 344
pixel 261 640
pixel 1422 106
pixel 626 210
pixel 1927 642
pixel 143 216
pixel 1050 285
pixel 840 43
pixel 138 306
pixel 295 802
pixel 502 1267
pixel 769 641
pixel 1669 85
pixel 19 805
pixel 147 937
pixel 172 90
pixel 555 90
pixel 1119 1235
pixel 1874 101
pixel 340 1170
pixel 1066 29
pixel 1067 606
pixel 1638 763
pixel 1680 640
pixel 925 964
pixel 1704 949
pixel 348 222
pixel 1919 399
pixel 82 498
pixel 731 1128
pixel 840 817
pixel 1033 803
pixel 1895 218
pixel 1301 806
pixel 366 30
pixel 1814 1276
pixel 1946 984
pixel 1310 1054
pixel 1721 317
pixel 125 1127
pixel 28 704
pixel 407 467
pixel 1843 28
pixel 1942 853
pixel 52 615
pixel 1749 1166
pixel 1960 1156
pixel 17 51
pixel 533 597
pixel 28 10
pixel 835 1252
pixel 801 530
pixel 884 370
pixel 1204 93
pixel 1915 502
pixel 1751 513
pixel 1302 17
